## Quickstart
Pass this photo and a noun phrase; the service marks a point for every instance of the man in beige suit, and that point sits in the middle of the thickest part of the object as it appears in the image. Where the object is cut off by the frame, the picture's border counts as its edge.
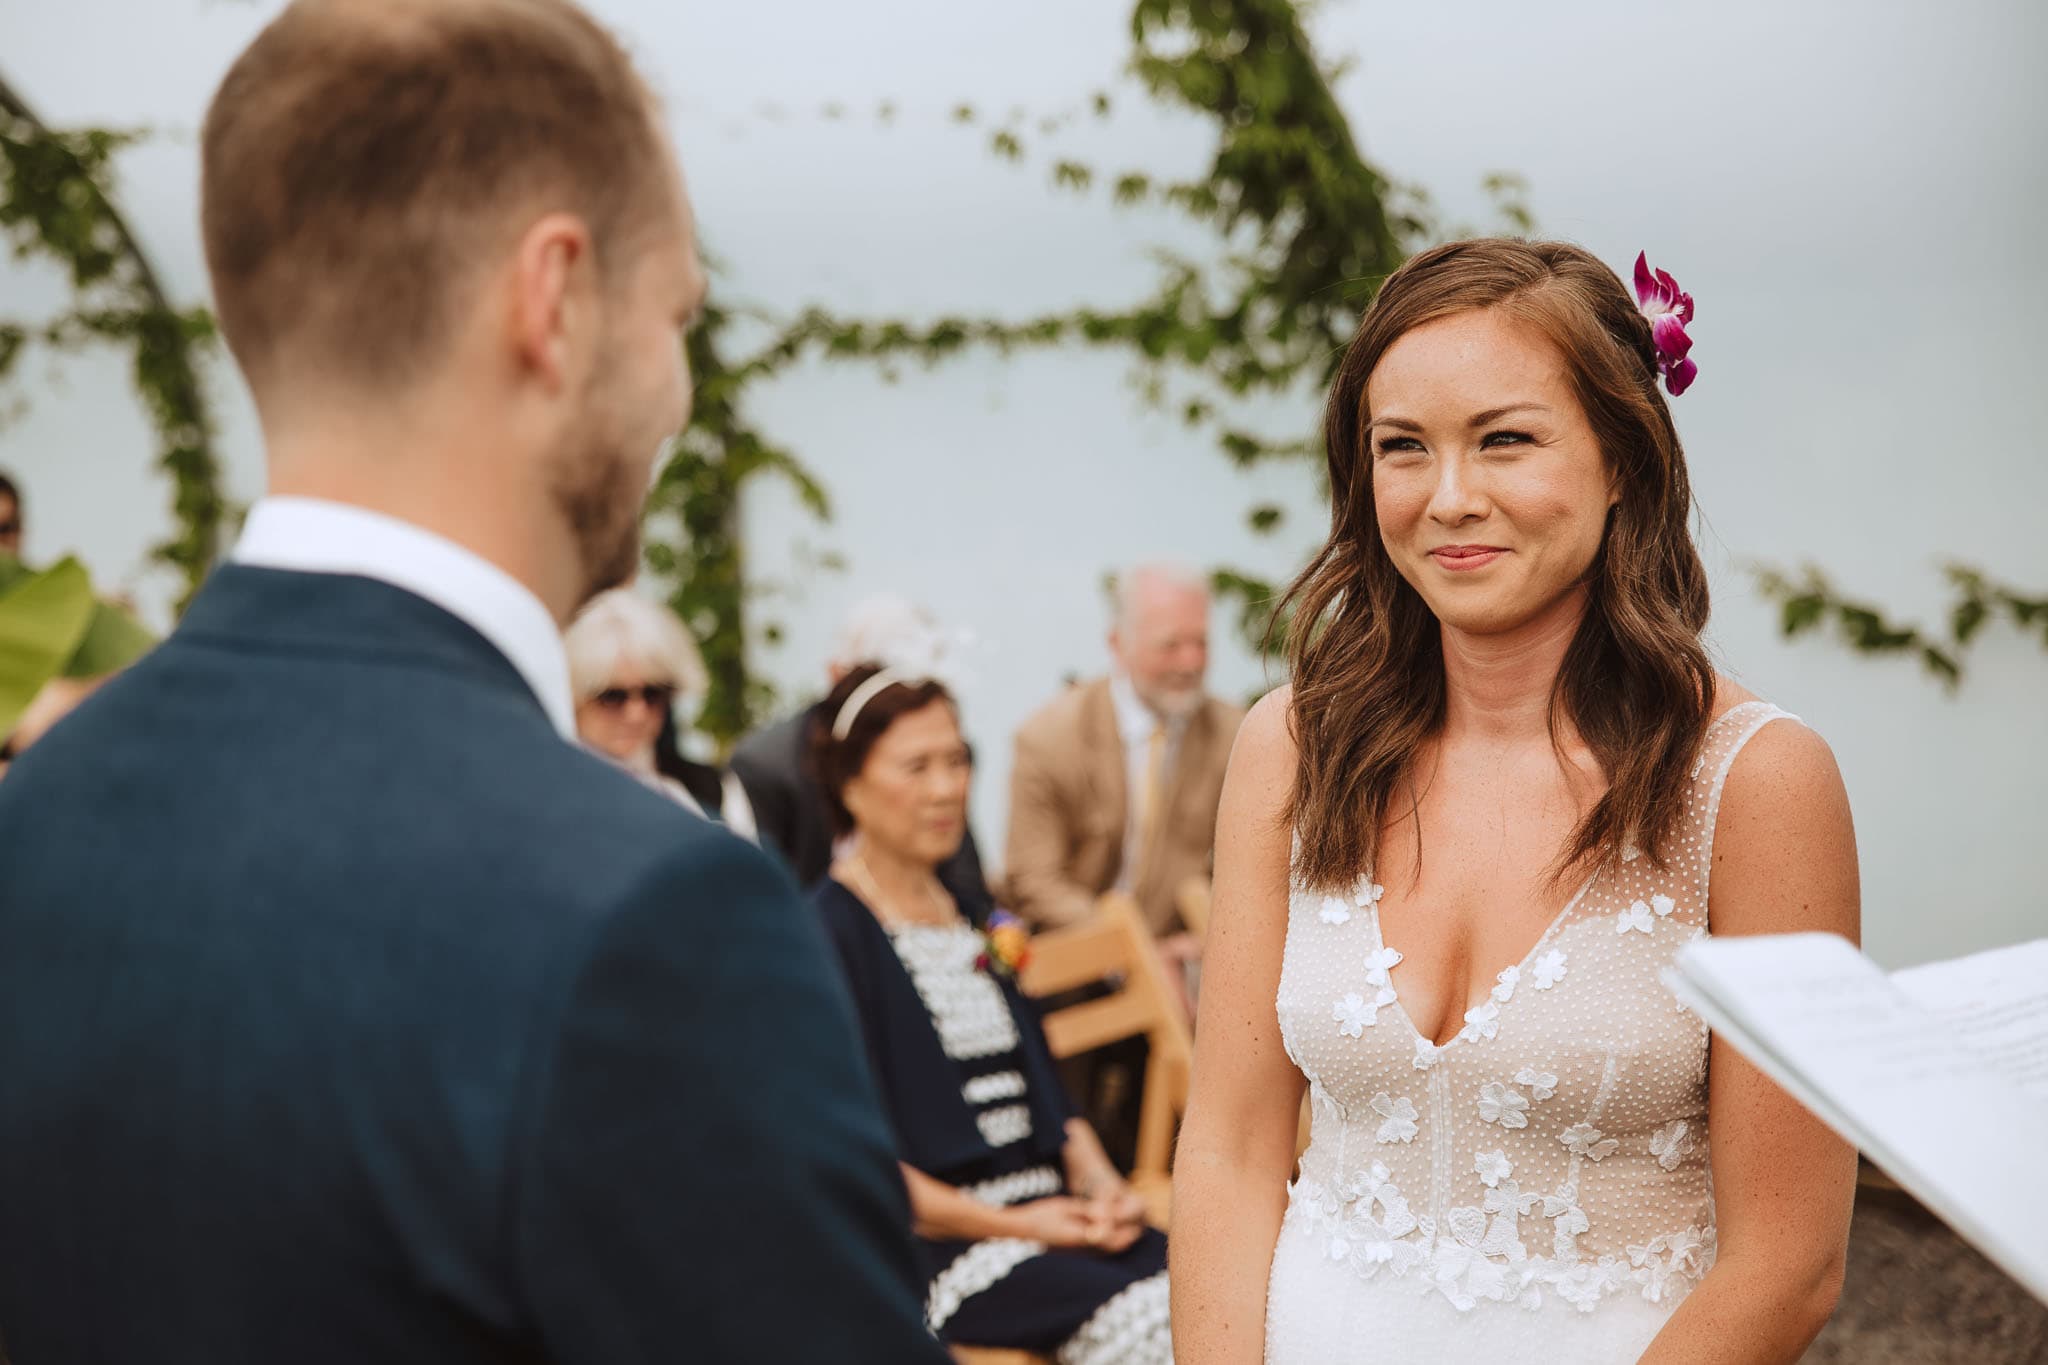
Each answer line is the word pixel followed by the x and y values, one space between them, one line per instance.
pixel 1114 784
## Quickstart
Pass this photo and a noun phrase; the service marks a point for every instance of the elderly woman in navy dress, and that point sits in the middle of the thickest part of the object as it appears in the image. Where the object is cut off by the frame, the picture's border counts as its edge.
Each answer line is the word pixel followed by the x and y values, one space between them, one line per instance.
pixel 1029 1236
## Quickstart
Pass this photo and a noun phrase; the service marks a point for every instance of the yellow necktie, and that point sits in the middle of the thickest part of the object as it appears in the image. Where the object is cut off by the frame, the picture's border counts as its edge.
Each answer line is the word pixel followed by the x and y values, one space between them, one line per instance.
pixel 1152 796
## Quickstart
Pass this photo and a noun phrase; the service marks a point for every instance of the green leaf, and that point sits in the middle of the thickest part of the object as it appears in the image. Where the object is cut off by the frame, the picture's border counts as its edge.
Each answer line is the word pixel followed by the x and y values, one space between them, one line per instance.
pixel 113 640
pixel 1241 449
pixel 1943 665
pixel 1803 612
pixel 1968 618
pixel 43 617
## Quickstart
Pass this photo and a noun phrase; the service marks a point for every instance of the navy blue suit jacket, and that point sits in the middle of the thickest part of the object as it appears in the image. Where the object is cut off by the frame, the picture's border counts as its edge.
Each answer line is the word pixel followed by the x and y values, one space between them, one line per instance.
pixel 348 1014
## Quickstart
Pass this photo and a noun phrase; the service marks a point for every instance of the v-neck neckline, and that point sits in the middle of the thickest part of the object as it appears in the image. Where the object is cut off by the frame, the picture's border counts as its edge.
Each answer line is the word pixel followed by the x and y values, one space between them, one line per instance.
pixel 1521 967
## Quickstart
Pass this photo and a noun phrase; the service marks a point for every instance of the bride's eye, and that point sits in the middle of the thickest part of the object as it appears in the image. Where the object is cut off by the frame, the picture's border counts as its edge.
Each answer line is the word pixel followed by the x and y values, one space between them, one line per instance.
pixel 1392 445
pixel 1504 438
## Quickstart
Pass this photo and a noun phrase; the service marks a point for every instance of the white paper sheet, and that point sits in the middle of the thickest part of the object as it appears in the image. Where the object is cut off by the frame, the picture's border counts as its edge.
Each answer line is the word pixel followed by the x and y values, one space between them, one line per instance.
pixel 1940 1115
pixel 1997 1003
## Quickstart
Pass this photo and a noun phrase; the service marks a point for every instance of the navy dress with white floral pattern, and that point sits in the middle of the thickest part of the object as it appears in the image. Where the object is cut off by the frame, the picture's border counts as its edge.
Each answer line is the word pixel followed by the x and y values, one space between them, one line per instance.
pixel 970 1089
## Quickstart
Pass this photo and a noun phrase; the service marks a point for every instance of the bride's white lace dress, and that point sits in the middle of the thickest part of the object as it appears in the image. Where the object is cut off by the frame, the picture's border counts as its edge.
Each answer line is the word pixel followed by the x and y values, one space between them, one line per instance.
pixel 1535 1189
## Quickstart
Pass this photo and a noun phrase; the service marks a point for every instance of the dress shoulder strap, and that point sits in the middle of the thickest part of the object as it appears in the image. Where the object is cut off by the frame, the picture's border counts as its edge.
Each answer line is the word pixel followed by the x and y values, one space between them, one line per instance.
pixel 1694 845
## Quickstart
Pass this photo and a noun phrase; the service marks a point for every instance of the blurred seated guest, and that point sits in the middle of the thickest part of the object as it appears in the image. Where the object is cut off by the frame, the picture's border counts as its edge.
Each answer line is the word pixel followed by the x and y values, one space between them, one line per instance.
pixel 629 661
pixel 791 811
pixel 10 518
pixel 1115 782
pixel 1029 1237
pixel 61 644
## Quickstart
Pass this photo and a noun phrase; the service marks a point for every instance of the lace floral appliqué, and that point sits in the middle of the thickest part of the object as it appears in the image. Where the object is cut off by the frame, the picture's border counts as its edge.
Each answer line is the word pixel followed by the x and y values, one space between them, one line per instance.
pixel 1398 1117
pixel 1508 979
pixel 1670 1144
pixel 1481 1021
pixel 1355 1014
pixel 1583 1139
pixel 1502 1105
pixel 1378 963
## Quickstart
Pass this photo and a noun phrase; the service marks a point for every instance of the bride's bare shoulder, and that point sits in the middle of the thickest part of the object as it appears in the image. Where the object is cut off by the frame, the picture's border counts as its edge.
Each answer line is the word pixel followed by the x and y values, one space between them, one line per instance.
pixel 1257 788
pixel 1729 694
pixel 1267 734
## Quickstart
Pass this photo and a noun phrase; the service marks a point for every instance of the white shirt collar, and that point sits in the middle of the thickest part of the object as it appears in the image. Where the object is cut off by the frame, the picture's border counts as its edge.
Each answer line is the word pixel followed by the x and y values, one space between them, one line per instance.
pixel 312 535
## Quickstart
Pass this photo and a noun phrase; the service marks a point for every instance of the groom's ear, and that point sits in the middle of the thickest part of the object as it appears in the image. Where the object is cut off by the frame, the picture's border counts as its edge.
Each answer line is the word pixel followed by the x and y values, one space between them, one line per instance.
pixel 549 299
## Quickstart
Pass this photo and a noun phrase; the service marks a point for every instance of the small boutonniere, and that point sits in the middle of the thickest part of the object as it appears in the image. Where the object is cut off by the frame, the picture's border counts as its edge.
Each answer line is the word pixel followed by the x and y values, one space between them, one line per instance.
pixel 1005 946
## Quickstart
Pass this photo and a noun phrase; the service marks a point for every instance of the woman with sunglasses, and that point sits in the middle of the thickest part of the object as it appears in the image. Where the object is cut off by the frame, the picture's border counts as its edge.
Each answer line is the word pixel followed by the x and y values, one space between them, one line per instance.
pixel 630 660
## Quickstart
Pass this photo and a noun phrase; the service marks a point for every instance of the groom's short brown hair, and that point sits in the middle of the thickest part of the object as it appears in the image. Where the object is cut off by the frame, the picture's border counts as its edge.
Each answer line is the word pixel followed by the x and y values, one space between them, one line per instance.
pixel 362 153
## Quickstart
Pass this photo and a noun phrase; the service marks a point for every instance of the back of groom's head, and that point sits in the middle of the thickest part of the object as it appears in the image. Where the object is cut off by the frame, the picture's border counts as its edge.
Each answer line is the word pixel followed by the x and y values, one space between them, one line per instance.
pixel 363 157
pixel 451 250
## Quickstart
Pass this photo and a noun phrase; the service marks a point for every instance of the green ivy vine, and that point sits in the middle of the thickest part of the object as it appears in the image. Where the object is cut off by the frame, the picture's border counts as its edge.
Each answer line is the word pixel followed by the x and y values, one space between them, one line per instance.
pixel 1808 602
pixel 57 201
pixel 1303 227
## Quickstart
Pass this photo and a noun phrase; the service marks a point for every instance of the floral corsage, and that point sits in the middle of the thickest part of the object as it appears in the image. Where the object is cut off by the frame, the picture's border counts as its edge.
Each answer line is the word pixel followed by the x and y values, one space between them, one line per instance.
pixel 1005 946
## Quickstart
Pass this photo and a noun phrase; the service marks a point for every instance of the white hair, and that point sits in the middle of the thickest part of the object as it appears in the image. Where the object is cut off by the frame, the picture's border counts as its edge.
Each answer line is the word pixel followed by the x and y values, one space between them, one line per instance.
pixel 621 629
pixel 1161 573
pixel 886 629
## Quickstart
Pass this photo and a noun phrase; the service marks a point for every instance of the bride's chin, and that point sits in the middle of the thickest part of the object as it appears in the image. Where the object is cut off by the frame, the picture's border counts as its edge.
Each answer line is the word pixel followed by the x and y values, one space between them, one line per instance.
pixel 1494 614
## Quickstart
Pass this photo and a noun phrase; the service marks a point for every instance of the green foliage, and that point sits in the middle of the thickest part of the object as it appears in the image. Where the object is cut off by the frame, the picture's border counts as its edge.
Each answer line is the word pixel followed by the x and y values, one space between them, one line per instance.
pixel 51 626
pixel 58 204
pixel 1304 230
pixel 693 533
pixel 1810 603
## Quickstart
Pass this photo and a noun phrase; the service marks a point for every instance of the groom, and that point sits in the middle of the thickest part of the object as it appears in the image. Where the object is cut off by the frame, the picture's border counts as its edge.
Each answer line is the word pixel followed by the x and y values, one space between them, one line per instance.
pixel 348 1012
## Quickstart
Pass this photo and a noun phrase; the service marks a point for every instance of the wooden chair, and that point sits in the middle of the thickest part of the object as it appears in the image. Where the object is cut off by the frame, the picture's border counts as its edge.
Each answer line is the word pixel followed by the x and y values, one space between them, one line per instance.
pixel 1115 946
pixel 995 1355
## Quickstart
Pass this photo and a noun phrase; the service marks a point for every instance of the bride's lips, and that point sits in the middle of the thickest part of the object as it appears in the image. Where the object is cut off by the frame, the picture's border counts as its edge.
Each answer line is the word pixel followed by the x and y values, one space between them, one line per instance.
pixel 1462 558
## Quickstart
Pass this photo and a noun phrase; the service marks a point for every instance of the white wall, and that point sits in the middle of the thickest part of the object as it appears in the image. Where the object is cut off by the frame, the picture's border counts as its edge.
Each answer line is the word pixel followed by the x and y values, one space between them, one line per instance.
pixel 1850 190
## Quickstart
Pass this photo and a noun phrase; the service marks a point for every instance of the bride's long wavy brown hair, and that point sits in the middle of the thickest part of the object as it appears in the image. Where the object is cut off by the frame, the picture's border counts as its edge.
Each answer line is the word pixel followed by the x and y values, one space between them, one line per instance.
pixel 1366 651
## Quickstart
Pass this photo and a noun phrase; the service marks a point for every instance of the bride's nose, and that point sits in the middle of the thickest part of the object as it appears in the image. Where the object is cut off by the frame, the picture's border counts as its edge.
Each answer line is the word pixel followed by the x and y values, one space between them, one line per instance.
pixel 1458 496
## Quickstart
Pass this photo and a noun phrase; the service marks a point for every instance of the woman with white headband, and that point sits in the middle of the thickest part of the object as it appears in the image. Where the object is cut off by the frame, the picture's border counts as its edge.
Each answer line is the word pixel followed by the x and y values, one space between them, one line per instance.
pixel 1028 1236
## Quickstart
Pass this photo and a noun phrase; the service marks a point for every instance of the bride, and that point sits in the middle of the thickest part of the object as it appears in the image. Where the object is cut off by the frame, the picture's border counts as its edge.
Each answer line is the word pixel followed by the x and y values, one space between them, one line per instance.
pixel 1453 858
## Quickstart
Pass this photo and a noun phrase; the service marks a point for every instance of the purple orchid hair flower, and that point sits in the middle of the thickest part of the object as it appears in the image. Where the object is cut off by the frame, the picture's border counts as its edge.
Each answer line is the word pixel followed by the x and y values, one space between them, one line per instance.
pixel 1668 308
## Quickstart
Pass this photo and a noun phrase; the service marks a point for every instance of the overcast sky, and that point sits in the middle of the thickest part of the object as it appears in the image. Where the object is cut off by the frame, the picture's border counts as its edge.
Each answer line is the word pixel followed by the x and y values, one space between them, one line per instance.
pixel 1852 191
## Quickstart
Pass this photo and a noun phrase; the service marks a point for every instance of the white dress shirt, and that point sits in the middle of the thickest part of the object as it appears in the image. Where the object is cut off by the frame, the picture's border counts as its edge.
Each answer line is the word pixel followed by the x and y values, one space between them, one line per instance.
pixel 311 535
pixel 1135 723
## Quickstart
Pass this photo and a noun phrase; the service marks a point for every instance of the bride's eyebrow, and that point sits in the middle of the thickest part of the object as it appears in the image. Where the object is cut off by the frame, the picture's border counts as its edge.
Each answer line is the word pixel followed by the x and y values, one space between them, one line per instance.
pixel 1478 419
